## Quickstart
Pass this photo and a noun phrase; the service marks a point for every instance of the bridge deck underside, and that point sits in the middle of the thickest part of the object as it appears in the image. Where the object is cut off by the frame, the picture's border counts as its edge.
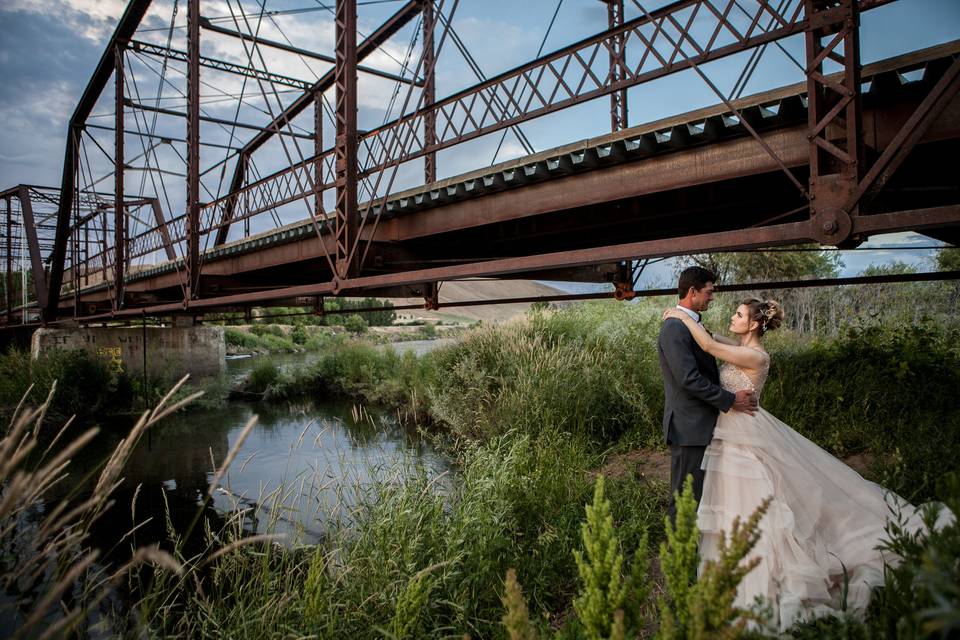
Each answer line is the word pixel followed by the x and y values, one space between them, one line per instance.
pixel 660 188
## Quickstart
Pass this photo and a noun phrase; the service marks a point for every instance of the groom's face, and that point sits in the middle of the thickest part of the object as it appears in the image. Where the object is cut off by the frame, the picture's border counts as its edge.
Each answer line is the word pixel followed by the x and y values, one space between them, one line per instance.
pixel 702 297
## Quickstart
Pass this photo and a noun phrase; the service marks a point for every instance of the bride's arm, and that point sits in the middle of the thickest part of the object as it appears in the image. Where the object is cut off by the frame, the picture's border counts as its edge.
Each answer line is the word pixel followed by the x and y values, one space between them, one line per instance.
pixel 734 354
pixel 723 339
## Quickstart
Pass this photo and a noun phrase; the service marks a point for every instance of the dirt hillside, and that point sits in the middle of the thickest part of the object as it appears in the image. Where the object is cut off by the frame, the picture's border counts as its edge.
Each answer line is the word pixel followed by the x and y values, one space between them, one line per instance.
pixel 450 292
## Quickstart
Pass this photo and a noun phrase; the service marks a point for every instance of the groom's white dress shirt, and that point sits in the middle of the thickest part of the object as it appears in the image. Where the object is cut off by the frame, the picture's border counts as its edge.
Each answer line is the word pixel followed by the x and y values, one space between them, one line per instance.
pixel 691 313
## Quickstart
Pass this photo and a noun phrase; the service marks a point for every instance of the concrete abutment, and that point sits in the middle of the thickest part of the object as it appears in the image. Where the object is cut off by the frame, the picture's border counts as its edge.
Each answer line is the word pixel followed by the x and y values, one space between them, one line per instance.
pixel 170 351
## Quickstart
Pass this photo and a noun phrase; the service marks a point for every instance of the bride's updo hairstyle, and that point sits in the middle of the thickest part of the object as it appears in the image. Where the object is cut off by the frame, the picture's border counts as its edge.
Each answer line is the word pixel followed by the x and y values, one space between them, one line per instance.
pixel 767 313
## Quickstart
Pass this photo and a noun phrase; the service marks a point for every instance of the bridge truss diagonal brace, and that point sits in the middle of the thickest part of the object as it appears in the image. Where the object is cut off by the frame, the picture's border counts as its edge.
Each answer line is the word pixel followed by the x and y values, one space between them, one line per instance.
pixel 908 136
pixel 33 245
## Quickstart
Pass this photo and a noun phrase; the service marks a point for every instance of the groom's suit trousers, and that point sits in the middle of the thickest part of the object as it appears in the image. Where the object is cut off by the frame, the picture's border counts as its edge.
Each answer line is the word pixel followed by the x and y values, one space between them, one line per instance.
pixel 683 461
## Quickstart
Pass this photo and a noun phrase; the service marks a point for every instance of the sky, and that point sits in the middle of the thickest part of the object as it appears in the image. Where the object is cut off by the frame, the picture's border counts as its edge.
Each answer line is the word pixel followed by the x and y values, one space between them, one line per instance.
pixel 49 48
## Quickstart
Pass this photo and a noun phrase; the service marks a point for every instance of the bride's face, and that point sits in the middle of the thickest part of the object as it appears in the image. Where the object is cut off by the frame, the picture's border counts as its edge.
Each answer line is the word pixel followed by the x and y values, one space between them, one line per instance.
pixel 740 320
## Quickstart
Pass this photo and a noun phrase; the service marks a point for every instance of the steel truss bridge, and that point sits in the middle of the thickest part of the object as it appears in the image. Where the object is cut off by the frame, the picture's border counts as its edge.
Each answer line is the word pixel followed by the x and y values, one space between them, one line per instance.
pixel 850 152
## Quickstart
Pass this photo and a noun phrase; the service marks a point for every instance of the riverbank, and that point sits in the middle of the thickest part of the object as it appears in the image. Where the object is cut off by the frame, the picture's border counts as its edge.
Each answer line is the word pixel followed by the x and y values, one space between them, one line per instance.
pixel 528 414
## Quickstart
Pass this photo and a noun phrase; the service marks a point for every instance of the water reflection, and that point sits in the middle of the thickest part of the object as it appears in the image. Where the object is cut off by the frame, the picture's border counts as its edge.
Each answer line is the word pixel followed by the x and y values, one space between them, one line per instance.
pixel 302 466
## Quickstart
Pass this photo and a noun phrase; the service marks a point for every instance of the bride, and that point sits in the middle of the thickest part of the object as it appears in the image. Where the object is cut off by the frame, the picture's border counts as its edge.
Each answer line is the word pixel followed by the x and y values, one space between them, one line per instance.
pixel 825 520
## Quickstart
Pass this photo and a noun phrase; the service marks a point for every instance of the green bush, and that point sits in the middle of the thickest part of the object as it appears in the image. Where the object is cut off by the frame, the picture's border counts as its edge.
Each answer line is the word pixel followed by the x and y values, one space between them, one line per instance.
pixel 299 334
pixel 267 330
pixel 262 377
pixel 87 386
pixel 277 344
pixel 238 338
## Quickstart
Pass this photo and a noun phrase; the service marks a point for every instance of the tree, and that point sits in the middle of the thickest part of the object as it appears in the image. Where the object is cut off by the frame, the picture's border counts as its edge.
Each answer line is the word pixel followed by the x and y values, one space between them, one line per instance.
pixel 798 263
pixel 355 323
pixel 948 259
pixel 805 307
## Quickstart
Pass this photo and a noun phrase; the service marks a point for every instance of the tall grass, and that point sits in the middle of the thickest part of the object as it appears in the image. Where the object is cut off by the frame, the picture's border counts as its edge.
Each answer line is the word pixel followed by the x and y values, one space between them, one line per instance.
pixel 590 370
pixel 52 580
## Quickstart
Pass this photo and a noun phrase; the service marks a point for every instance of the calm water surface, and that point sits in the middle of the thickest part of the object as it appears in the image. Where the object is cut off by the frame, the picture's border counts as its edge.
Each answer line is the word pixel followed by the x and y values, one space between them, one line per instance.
pixel 302 464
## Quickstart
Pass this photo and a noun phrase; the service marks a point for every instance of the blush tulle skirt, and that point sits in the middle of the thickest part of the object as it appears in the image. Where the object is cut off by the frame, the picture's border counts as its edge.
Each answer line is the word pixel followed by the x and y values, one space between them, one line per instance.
pixel 824 518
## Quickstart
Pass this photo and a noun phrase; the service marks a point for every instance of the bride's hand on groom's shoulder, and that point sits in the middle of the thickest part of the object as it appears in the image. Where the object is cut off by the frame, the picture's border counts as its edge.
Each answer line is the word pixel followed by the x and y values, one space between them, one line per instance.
pixel 671 312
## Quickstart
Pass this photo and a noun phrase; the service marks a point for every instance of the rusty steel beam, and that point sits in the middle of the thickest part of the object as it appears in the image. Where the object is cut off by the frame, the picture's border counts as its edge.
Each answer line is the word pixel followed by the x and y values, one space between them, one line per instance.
pixel 836 161
pixel 317 154
pixel 119 210
pixel 211 119
pixel 937 276
pixel 9 234
pixel 618 62
pixel 429 93
pixel 164 232
pixel 220 65
pixel 396 22
pixel 128 24
pixel 273 44
pixel 193 149
pixel 918 220
pixel 33 246
pixel 347 223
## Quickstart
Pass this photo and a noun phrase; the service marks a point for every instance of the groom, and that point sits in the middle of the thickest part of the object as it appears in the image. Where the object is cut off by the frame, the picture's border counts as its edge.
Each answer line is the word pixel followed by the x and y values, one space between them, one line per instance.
pixel 691 385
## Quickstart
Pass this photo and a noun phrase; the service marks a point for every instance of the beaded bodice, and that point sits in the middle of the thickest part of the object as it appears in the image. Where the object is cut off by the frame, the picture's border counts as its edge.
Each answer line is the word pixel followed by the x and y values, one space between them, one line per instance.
pixel 733 378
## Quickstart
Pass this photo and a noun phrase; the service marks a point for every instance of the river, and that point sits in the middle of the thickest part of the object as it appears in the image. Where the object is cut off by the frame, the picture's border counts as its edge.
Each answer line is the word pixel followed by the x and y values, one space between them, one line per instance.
pixel 302 464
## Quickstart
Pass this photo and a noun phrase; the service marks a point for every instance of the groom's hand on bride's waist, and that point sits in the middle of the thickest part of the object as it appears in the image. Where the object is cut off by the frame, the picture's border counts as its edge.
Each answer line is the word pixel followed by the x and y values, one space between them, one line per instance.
pixel 746 401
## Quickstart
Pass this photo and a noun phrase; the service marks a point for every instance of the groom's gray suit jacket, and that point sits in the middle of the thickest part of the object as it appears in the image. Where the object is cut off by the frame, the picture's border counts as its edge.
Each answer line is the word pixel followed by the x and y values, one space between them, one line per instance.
pixel 691 385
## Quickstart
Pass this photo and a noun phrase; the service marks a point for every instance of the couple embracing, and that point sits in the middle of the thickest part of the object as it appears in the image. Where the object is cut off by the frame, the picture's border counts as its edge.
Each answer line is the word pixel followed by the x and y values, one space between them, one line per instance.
pixel 825 520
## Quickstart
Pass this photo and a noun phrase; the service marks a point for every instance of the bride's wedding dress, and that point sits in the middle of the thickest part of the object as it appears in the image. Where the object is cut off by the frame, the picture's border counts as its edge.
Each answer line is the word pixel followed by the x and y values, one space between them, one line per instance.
pixel 824 516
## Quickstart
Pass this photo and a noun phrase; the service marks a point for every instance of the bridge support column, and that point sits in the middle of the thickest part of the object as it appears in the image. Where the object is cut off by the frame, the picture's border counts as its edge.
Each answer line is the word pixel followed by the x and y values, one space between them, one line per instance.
pixel 834 116
pixel 193 148
pixel 429 94
pixel 8 290
pixel 119 219
pixel 347 220
pixel 170 351
pixel 618 58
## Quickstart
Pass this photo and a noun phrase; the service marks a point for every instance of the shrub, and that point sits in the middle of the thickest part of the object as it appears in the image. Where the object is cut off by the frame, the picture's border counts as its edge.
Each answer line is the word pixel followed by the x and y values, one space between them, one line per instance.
pixel 299 334
pixel 89 386
pixel 238 338
pixel 921 594
pixel 262 377
pixel 267 330
pixel 606 593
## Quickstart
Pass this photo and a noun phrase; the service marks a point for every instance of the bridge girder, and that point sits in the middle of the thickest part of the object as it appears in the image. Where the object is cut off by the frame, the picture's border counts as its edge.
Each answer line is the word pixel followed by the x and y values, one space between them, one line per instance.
pixel 841 175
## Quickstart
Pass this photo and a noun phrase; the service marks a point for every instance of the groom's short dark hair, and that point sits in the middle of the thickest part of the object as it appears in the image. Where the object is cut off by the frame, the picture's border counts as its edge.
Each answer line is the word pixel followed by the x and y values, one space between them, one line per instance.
pixel 696 277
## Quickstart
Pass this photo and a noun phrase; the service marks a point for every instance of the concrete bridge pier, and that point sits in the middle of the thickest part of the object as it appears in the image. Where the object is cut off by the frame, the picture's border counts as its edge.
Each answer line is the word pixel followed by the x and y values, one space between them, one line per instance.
pixel 165 352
